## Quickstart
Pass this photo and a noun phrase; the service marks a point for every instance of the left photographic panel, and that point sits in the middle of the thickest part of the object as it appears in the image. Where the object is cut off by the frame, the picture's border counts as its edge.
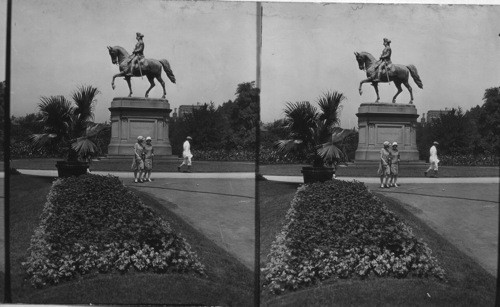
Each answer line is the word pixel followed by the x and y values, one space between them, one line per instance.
pixel 133 136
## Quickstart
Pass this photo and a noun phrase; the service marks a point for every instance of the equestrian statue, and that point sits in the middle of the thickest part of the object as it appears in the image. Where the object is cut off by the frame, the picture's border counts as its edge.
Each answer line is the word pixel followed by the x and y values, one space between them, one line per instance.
pixel 136 65
pixel 384 71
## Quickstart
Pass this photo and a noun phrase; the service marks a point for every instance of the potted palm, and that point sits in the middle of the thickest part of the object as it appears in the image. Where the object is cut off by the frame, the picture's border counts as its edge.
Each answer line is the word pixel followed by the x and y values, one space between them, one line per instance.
pixel 316 135
pixel 71 128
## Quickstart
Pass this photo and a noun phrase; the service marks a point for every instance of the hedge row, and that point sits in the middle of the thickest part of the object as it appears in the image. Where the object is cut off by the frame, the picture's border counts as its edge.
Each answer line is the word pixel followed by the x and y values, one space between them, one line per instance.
pixel 469 160
pixel 339 229
pixel 23 149
pixel 94 224
pixel 224 155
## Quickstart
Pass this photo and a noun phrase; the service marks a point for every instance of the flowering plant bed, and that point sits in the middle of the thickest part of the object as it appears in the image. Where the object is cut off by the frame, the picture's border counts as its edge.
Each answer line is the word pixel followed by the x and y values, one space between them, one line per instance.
pixel 339 229
pixel 93 224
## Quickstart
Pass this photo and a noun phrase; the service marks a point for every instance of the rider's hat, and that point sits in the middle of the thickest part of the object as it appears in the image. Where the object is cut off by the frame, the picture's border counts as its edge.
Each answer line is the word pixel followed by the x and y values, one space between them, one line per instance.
pixel 386 40
pixel 139 34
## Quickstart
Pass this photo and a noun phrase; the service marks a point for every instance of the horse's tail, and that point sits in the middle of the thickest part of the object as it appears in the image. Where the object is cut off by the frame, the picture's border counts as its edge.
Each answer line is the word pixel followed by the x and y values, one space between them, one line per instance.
pixel 415 76
pixel 168 70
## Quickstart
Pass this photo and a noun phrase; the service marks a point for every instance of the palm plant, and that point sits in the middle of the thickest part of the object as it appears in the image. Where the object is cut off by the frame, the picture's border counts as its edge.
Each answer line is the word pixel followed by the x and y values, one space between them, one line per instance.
pixel 316 133
pixel 68 126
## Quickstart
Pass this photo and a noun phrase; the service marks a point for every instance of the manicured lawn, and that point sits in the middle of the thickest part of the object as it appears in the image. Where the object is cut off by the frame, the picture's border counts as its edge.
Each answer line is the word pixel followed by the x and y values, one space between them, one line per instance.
pixel 467 284
pixel 125 164
pixel 228 282
pixel 370 170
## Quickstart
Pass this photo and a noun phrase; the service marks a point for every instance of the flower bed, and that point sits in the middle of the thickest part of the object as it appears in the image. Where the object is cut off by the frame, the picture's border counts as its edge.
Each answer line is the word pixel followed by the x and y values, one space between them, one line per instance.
pixel 339 229
pixel 94 224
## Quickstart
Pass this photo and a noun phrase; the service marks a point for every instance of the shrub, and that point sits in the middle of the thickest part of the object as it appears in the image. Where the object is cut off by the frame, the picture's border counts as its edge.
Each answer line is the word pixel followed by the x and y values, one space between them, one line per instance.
pixel 339 229
pixel 94 224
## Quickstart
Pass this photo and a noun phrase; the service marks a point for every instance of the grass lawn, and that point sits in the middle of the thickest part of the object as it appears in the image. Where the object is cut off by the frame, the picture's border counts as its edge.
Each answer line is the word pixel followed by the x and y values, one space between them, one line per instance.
pixel 468 284
pixel 370 170
pixel 123 165
pixel 228 282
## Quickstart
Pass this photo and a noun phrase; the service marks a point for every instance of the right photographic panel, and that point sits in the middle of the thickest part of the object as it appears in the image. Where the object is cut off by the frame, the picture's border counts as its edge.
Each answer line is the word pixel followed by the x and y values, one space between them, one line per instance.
pixel 379 145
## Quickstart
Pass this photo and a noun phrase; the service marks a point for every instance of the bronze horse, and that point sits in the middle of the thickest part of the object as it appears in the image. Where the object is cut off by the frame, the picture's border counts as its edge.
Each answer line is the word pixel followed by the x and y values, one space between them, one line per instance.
pixel 397 73
pixel 150 68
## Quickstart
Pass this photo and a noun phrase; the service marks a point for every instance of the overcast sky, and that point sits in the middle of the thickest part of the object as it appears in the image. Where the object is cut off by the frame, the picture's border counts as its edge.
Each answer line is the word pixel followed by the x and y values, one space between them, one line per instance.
pixel 309 49
pixel 58 45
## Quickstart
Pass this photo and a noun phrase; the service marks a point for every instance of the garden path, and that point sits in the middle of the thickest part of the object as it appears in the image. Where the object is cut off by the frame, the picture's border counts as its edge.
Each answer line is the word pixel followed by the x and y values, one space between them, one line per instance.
pixel 464 213
pixel 223 209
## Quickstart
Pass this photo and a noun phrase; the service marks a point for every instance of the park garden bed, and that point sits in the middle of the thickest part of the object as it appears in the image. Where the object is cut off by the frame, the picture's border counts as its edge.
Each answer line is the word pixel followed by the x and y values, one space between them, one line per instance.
pixel 227 281
pixel 339 230
pixel 93 224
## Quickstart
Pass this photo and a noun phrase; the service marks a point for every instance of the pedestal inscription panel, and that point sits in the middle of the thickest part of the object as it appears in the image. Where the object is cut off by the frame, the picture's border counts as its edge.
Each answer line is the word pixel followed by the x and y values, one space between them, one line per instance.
pixel 380 122
pixel 131 117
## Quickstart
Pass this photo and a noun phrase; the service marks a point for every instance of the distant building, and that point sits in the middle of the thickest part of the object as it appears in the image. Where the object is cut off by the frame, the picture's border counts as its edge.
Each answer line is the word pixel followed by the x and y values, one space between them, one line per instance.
pixel 435 114
pixel 187 109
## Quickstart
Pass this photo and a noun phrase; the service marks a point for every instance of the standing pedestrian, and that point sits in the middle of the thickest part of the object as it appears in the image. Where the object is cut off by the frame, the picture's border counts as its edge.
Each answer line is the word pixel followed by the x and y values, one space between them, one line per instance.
pixel 394 165
pixel 148 159
pixel 433 160
pixel 138 160
pixel 384 166
pixel 186 155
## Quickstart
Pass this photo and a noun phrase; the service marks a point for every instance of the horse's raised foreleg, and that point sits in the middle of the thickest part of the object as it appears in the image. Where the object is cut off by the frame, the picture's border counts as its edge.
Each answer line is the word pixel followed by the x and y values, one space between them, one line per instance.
pixel 162 85
pixel 129 86
pixel 398 85
pixel 375 86
pixel 361 84
pixel 408 86
pixel 152 82
pixel 114 77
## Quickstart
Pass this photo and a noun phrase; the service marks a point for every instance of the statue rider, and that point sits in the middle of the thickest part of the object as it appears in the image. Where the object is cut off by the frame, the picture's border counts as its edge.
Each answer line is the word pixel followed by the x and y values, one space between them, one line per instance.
pixel 137 54
pixel 385 58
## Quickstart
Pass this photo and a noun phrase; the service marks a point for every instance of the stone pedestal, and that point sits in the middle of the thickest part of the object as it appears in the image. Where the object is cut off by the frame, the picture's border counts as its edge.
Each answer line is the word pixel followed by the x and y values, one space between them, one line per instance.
pixel 379 122
pixel 133 116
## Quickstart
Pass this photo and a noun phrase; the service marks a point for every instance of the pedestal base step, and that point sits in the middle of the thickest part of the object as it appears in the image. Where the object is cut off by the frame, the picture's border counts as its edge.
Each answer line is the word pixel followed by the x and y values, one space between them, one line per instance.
pixel 156 158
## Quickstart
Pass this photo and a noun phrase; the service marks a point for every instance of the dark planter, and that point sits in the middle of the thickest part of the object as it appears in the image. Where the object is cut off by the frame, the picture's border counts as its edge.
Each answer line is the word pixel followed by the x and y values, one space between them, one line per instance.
pixel 71 168
pixel 317 174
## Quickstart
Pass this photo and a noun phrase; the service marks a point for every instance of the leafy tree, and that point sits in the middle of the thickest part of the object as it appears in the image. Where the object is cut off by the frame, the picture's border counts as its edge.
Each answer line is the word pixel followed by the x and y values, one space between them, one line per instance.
pixel 206 126
pixel 272 132
pixel 69 126
pixel 242 115
pixel 477 143
pixel 452 131
pixel 23 127
pixel 489 120
pixel 230 126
